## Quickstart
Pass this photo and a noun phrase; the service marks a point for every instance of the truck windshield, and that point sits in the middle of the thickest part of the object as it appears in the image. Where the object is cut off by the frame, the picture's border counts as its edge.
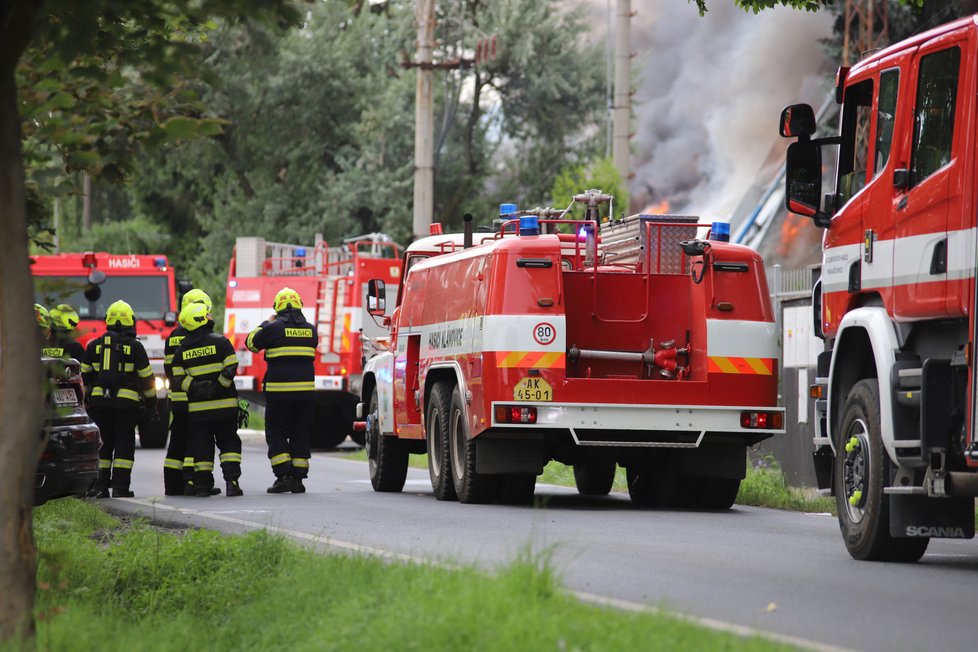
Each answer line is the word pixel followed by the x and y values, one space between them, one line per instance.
pixel 148 295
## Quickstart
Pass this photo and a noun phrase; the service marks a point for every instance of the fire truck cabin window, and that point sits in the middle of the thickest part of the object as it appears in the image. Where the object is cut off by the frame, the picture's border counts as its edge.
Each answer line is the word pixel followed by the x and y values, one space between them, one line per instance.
pixel 857 115
pixel 885 111
pixel 933 126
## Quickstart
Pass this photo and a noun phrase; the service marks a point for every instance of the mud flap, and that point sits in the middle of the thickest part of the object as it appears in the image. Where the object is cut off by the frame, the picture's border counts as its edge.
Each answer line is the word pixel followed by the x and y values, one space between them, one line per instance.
pixel 509 455
pixel 920 516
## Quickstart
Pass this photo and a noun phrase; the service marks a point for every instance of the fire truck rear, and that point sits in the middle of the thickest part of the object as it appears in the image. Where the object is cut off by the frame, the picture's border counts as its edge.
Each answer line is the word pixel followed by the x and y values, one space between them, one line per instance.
pixel 896 442
pixel 332 283
pixel 640 346
pixel 89 282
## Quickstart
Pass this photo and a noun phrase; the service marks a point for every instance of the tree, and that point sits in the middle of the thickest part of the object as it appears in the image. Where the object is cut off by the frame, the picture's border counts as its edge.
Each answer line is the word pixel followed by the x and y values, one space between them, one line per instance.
pixel 599 173
pixel 146 38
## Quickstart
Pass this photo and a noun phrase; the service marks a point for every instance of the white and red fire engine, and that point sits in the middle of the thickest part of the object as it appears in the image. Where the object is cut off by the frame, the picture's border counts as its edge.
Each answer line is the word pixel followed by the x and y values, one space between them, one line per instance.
pixel 548 341
pixel 332 282
pixel 896 388
pixel 89 282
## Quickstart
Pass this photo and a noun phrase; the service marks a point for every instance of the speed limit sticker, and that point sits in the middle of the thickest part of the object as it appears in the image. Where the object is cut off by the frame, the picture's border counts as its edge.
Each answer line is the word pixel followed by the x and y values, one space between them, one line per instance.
pixel 544 333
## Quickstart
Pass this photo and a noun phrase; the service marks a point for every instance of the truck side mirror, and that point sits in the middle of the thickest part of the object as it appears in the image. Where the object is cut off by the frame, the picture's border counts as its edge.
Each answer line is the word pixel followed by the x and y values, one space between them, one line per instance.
pixel 803 179
pixel 376 297
pixel 797 121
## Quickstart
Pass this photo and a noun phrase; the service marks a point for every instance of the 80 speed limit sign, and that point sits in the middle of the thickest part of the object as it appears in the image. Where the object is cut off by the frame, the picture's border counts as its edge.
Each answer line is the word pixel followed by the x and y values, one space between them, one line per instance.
pixel 544 333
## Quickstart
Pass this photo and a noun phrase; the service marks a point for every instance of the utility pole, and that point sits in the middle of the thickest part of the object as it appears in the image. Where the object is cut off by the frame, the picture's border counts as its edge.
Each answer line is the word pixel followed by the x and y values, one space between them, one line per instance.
pixel 623 89
pixel 424 154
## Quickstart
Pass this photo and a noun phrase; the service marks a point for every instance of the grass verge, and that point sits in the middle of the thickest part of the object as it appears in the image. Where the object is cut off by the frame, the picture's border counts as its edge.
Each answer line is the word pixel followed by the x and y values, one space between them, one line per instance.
pixel 111 585
pixel 764 486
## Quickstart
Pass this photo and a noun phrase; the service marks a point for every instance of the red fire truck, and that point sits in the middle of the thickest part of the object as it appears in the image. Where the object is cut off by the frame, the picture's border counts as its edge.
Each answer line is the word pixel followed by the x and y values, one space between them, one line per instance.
pixel 641 346
pixel 332 282
pixel 896 385
pixel 89 282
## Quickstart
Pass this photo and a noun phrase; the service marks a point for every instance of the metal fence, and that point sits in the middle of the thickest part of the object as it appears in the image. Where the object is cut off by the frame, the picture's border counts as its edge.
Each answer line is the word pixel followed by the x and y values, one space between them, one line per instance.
pixel 788 284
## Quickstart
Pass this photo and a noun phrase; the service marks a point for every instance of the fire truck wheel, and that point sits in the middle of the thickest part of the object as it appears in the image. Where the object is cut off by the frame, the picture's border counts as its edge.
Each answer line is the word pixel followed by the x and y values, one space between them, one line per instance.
pixel 436 424
pixel 861 467
pixel 641 483
pixel 387 458
pixel 717 493
pixel 517 488
pixel 470 486
pixel 594 477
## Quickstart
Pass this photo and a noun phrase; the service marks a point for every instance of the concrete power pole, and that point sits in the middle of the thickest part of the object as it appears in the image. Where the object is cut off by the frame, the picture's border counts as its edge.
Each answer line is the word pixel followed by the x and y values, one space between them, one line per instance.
pixel 424 156
pixel 623 89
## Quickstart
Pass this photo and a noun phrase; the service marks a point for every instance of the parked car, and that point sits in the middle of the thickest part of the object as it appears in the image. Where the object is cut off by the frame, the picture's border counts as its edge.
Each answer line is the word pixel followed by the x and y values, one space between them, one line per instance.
pixel 69 464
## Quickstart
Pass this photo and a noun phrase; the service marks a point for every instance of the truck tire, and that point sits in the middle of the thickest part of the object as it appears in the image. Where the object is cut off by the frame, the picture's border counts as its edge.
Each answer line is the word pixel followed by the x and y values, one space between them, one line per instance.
pixel 329 429
pixel 594 477
pixel 862 469
pixel 717 493
pixel 387 458
pixel 641 484
pixel 470 486
pixel 517 488
pixel 436 426
pixel 153 434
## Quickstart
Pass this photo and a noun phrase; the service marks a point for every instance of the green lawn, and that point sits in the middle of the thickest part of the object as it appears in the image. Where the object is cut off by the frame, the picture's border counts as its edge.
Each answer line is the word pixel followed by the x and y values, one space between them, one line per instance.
pixel 107 585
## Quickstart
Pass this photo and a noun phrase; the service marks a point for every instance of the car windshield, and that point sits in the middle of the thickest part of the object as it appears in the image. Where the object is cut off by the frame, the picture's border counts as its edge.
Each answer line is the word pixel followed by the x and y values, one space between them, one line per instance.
pixel 148 295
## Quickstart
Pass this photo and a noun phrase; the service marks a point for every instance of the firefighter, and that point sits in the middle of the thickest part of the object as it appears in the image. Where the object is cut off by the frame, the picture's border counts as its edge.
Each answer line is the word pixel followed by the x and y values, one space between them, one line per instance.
pixel 61 341
pixel 117 370
pixel 204 366
pixel 178 467
pixel 289 342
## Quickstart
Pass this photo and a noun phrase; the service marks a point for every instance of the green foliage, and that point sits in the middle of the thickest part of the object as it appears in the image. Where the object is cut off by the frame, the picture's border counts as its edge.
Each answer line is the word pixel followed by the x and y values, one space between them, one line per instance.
pixel 765 486
pixel 102 586
pixel 599 173
pixel 757 6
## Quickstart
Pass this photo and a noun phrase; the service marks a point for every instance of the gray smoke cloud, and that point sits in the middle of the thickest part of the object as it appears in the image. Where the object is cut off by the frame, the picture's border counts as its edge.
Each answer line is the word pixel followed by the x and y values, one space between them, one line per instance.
pixel 708 94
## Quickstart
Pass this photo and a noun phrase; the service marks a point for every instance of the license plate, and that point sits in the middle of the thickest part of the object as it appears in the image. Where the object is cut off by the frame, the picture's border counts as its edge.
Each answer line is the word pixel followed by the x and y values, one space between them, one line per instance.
pixel 65 397
pixel 533 388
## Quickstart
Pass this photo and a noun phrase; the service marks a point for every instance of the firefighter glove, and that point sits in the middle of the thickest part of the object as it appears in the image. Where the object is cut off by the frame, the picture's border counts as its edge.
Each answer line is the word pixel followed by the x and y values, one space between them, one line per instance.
pixel 243 413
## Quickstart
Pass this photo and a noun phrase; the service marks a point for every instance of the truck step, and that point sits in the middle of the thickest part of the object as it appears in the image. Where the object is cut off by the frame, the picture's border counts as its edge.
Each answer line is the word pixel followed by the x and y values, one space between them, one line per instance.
pixel 910 378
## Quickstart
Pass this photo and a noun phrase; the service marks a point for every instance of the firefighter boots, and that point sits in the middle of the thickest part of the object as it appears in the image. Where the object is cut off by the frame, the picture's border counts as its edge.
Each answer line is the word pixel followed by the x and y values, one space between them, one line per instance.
pixel 234 489
pixel 282 485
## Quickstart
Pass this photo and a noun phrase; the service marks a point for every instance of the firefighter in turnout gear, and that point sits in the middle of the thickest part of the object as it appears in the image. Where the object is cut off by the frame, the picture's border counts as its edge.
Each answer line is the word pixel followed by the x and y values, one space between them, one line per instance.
pixel 178 467
pixel 204 368
pixel 117 371
pixel 289 342
pixel 61 341
pixel 43 319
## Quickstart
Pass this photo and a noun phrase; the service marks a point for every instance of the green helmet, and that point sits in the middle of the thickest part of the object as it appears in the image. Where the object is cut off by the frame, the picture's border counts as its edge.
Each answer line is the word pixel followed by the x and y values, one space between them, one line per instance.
pixel 196 296
pixel 194 315
pixel 42 316
pixel 287 298
pixel 64 317
pixel 120 314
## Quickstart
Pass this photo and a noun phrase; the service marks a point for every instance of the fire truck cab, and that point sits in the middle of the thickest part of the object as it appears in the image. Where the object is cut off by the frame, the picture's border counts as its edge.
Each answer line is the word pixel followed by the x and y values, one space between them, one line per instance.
pixel 896 387
pixel 548 340
pixel 90 281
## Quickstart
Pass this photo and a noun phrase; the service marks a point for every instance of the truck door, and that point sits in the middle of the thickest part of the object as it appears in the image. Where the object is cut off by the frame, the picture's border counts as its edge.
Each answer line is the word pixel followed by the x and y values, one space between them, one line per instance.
pixel 928 181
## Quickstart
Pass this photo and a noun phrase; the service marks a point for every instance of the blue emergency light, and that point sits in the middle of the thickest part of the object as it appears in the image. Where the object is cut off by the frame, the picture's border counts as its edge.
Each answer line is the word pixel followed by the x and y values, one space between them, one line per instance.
pixel 300 252
pixel 160 263
pixel 529 225
pixel 508 209
pixel 720 231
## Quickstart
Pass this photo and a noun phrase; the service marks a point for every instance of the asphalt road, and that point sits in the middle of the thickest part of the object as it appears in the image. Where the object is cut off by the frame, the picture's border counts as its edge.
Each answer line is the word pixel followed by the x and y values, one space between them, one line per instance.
pixel 779 572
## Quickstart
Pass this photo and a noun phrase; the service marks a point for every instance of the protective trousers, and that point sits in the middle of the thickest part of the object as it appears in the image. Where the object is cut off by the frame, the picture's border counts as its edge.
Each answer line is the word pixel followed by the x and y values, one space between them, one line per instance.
pixel 117 427
pixel 178 467
pixel 288 426
pixel 204 431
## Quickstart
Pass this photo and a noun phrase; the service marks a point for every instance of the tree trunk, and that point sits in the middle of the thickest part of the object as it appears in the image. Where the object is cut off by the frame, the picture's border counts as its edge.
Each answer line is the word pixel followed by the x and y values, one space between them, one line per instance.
pixel 20 368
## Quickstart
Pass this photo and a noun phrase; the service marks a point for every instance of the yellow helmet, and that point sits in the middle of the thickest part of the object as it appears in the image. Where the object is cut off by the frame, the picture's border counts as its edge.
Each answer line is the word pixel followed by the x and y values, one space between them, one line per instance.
pixel 194 315
pixel 120 314
pixel 42 316
pixel 287 298
pixel 196 296
pixel 64 317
